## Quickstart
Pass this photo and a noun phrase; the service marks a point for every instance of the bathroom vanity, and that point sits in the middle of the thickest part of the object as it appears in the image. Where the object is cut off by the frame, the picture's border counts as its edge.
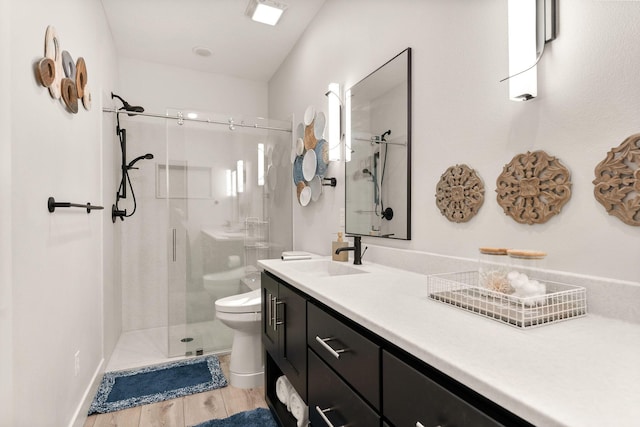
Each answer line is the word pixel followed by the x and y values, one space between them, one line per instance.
pixel 366 347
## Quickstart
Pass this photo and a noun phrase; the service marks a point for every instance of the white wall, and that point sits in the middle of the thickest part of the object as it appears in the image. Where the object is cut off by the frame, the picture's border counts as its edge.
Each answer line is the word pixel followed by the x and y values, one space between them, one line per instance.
pixel 57 263
pixel 6 306
pixel 589 98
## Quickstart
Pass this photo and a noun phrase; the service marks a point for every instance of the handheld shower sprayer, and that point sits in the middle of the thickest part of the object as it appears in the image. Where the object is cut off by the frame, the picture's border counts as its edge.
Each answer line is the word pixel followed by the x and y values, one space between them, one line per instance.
pixel 147 156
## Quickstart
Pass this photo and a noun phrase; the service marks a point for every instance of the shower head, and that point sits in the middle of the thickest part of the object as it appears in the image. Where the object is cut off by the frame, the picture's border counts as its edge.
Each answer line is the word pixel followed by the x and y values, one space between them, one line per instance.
pixel 147 156
pixel 127 107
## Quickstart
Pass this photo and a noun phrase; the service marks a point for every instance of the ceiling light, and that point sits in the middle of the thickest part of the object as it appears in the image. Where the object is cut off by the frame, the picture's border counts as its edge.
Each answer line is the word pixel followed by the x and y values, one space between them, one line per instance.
pixel 265 11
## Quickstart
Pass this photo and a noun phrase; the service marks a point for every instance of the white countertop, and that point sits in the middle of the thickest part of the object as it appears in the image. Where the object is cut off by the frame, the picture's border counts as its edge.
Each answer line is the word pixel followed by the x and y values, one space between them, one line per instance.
pixel 580 372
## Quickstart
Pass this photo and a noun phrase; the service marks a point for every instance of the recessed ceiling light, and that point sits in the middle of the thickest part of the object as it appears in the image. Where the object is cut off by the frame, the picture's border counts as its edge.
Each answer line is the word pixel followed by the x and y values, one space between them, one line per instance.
pixel 265 11
pixel 202 51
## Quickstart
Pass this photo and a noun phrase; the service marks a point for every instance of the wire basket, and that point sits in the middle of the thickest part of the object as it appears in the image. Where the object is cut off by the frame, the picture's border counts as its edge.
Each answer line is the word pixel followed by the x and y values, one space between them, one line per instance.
pixel 561 301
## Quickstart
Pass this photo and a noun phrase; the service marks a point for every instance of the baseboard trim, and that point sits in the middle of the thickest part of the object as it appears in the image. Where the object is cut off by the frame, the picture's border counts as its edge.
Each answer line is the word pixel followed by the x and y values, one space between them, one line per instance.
pixel 80 416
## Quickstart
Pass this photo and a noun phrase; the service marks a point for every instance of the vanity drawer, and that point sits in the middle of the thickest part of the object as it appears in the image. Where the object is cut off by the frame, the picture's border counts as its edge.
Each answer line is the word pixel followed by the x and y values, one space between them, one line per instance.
pixel 333 399
pixel 412 399
pixel 349 353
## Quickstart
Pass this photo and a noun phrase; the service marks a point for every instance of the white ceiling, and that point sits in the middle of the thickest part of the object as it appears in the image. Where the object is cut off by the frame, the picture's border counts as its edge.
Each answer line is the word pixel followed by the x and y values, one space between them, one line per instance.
pixel 166 31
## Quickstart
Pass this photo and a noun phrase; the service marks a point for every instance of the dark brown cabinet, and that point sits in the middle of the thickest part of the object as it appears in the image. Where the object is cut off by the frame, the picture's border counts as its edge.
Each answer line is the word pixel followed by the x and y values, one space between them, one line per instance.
pixel 350 376
pixel 284 332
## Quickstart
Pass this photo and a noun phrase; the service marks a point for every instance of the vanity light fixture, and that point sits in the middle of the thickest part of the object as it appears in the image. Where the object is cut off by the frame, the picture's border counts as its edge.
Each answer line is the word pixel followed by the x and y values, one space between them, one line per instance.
pixel 227 174
pixel 240 175
pixel 529 21
pixel 260 164
pixel 347 126
pixel 265 11
pixel 335 121
pixel 234 183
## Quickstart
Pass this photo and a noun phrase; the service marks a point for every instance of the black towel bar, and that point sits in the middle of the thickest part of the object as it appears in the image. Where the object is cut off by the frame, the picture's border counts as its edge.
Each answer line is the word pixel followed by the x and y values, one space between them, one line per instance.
pixel 52 205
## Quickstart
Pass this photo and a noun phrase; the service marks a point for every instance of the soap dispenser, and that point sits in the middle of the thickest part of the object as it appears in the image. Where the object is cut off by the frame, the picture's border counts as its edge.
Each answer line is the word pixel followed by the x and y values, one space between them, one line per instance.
pixel 342 256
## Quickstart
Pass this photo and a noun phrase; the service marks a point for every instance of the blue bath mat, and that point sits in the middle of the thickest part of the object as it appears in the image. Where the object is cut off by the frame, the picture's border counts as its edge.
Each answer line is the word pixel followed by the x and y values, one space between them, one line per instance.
pixel 255 418
pixel 125 389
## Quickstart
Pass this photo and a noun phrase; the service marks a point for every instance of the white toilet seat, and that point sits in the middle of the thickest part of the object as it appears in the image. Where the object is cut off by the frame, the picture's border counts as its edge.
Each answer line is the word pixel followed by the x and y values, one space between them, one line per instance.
pixel 242 313
pixel 249 302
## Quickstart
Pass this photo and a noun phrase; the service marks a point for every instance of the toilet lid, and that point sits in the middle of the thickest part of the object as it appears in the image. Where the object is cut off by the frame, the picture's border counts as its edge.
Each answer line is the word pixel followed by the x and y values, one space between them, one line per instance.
pixel 249 302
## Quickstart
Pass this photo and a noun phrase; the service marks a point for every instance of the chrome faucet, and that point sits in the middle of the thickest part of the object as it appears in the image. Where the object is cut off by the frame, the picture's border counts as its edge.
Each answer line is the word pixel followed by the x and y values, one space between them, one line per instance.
pixel 356 248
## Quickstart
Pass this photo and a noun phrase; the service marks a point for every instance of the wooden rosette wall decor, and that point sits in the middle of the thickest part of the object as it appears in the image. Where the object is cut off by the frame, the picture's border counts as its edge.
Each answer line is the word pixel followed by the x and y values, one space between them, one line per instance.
pixel 533 187
pixel 65 79
pixel 617 183
pixel 459 193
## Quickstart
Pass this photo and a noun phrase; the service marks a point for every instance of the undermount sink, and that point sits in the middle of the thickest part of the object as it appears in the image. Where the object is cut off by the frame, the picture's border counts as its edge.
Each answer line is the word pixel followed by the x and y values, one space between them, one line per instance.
pixel 325 268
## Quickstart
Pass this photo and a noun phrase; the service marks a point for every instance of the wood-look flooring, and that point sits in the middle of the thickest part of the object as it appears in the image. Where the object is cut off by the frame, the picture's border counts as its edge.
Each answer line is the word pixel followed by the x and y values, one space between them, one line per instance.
pixel 186 411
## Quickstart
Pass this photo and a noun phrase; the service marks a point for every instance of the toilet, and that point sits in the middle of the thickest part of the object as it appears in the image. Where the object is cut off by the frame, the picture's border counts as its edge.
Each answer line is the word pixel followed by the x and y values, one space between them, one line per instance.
pixel 242 313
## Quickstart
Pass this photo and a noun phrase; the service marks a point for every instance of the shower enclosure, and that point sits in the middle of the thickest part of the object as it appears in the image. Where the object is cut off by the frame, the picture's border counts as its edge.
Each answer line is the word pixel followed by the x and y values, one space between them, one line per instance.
pixel 215 199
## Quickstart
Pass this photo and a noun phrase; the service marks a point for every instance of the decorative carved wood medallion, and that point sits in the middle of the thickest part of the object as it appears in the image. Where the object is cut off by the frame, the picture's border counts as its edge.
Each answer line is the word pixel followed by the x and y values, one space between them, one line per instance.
pixel 618 181
pixel 533 187
pixel 459 193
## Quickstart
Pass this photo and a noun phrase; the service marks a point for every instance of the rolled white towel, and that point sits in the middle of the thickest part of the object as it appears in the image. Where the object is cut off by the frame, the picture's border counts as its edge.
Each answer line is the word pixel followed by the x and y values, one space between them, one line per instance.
pixel 233 261
pixel 299 410
pixel 284 389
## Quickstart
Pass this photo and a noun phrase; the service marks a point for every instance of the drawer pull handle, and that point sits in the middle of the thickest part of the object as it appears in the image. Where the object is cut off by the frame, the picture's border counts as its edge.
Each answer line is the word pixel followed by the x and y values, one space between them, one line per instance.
pixel 322 413
pixel 323 342
pixel 268 306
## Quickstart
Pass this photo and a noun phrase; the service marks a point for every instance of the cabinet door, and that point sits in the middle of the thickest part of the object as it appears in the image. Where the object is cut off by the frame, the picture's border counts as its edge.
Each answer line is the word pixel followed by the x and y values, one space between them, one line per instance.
pixel 412 399
pixel 332 402
pixel 269 328
pixel 292 335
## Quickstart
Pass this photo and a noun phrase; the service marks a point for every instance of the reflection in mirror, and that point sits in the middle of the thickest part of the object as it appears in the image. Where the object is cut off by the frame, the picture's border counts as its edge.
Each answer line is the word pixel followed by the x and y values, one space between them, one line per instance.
pixel 378 139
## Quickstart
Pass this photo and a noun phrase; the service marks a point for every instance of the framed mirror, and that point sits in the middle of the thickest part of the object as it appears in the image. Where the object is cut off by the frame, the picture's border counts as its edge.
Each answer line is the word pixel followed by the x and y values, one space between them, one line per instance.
pixel 378 152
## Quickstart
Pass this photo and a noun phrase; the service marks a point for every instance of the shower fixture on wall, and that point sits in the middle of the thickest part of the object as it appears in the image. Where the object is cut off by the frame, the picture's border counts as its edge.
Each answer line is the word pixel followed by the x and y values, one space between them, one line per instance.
pixel 127 107
pixel 385 213
pixel 125 181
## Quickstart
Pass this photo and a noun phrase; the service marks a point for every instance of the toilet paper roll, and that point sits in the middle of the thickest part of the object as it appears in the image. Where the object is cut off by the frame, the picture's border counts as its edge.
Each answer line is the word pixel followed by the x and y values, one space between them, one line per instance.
pixel 299 409
pixel 284 389
pixel 234 261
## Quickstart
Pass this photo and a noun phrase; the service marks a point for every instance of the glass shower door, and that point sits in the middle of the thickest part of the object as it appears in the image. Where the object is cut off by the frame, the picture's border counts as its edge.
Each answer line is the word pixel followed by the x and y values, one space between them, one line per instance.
pixel 219 216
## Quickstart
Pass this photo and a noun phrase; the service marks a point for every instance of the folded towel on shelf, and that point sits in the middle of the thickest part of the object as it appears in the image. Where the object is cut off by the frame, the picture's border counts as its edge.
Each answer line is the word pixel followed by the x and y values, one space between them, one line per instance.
pixel 299 409
pixel 295 255
pixel 284 389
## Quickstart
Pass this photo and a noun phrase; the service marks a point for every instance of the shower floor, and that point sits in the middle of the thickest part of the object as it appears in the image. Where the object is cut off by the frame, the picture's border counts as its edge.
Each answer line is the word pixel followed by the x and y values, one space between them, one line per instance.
pixel 146 347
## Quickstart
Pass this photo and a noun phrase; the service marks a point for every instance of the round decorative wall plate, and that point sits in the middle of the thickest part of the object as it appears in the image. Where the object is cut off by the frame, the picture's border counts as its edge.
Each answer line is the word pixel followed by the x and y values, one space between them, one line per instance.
pixel 617 183
pixel 459 193
pixel 533 187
